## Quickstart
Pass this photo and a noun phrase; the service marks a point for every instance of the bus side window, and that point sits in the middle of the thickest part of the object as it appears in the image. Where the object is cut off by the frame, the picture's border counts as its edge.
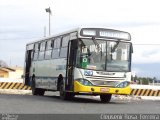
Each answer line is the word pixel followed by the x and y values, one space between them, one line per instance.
pixel 63 52
pixel 42 51
pixel 57 42
pixel 48 51
pixel 56 49
pixel 64 44
pixel 36 49
pixel 65 41
pixel 55 53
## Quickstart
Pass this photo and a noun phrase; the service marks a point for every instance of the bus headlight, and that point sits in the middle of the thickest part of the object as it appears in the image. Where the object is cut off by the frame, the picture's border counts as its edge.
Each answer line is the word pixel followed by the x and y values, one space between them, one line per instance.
pixel 123 84
pixel 85 82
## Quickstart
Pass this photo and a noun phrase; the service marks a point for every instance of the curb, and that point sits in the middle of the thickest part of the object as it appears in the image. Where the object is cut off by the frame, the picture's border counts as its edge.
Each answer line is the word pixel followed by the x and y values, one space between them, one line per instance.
pixel 150 98
pixel 15 91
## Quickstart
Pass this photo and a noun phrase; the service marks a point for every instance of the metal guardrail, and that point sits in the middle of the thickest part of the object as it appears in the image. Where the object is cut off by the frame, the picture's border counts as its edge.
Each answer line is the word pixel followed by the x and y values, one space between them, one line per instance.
pixel 155 84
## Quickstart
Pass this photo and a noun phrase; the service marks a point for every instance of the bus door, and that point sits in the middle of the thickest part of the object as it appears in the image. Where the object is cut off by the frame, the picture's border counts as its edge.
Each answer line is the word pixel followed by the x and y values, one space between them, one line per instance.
pixel 71 59
pixel 28 66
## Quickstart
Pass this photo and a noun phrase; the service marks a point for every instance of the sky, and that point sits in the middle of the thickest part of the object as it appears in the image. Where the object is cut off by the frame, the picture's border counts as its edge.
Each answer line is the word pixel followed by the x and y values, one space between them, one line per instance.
pixel 22 21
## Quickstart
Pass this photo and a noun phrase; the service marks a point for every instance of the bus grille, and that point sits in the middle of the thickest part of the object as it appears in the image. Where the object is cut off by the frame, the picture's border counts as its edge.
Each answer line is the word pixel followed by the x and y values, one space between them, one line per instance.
pixel 104 81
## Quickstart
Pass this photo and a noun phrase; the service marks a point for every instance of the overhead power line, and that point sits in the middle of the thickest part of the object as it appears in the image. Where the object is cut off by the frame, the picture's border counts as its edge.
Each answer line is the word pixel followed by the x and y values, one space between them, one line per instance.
pixel 21 38
pixel 146 44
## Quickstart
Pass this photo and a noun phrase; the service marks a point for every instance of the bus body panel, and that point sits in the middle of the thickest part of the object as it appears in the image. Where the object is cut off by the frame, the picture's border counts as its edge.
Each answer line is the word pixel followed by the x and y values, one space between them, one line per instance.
pixel 108 81
pixel 47 72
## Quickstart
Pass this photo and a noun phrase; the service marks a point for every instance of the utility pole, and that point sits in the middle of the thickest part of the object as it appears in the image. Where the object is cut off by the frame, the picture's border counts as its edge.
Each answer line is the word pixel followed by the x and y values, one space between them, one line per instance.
pixel 44 31
pixel 49 11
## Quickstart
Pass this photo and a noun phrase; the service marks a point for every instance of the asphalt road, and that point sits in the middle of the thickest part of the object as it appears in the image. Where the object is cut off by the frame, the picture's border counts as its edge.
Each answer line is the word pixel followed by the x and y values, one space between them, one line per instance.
pixel 52 104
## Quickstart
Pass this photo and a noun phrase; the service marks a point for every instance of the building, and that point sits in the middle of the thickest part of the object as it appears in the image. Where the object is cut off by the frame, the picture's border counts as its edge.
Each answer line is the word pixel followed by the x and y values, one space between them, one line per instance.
pixel 11 72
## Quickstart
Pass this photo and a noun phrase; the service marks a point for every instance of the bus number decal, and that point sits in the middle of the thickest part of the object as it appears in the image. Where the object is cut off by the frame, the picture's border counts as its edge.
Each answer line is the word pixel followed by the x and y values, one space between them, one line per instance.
pixel 88 72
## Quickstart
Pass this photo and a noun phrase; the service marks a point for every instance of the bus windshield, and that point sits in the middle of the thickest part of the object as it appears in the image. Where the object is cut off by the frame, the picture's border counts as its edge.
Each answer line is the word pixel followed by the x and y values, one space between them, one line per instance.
pixel 112 56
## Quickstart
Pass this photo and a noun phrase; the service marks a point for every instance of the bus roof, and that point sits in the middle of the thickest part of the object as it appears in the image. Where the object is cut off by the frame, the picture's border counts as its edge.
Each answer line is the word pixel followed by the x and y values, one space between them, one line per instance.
pixel 56 35
pixel 103 33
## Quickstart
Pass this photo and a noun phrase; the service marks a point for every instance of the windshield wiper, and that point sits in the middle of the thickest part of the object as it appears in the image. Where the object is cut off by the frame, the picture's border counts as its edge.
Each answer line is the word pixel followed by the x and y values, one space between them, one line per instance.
pixel 97 44
pixel 115 46
pixel 99 49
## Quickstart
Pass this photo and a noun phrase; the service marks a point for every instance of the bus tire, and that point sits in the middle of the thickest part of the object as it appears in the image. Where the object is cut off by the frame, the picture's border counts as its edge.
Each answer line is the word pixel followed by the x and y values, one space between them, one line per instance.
pixel 105 98
pixel 34 89
pixel 65 95
pixel 41 92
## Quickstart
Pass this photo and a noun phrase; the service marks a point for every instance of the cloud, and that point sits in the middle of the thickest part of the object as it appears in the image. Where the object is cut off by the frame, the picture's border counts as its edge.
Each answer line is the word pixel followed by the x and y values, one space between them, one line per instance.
pixel 146 70
pixel 22 20
pixel 152 52
pixel 146 54
pixel 12 51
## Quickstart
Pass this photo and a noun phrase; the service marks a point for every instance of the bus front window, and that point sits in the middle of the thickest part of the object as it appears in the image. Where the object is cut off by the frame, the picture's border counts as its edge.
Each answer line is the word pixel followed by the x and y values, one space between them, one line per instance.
pixel 118 56
pixel 111 56
pixel 89 56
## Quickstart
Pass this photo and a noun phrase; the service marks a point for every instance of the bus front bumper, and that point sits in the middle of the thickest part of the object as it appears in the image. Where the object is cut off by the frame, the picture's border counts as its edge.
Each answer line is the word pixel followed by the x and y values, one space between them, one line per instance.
pixel 79 88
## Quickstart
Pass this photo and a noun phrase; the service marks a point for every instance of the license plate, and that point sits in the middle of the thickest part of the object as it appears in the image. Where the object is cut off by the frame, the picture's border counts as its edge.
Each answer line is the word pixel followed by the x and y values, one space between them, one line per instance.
pixel 104 89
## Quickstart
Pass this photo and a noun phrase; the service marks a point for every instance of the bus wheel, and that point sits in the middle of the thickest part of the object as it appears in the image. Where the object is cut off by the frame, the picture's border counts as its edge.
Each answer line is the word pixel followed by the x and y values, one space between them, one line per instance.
pixel 41 92
pixel 105 98
pixel 65 95
pixel 34 89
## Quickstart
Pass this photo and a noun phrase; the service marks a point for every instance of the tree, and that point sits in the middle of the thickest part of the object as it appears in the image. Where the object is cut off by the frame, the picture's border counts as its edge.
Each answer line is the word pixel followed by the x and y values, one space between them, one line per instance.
pixel 144 80
pixel 154 80
pixel 134 78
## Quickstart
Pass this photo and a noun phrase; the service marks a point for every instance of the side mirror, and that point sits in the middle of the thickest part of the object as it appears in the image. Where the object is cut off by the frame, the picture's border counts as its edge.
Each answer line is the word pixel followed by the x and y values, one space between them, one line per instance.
pixel 131 48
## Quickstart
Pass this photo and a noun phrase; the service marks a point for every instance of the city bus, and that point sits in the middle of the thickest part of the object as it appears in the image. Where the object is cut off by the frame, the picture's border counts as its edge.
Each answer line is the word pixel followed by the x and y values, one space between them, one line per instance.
pixel 83 61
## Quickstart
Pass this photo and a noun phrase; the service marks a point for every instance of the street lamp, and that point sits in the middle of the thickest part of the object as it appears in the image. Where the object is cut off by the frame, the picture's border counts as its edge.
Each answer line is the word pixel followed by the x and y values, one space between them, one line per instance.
pixel 49 11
